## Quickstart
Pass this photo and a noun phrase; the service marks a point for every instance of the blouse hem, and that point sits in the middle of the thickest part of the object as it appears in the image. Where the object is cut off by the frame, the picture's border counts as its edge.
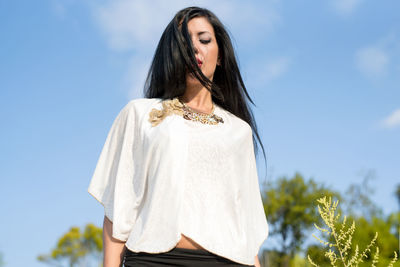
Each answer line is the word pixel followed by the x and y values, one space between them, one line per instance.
pixel 210 249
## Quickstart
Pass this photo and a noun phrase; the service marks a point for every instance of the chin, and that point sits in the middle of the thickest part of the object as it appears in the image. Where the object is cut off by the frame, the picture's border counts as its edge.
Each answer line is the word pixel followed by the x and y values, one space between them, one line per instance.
pixel 191 80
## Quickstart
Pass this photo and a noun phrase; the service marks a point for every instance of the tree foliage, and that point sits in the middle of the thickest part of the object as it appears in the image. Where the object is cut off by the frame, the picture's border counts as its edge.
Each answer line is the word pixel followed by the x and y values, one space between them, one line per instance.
pixel 1 260
pixel 357 199
pixel 387 241
pixel 75 247
pixel 397 193
pixel 291 213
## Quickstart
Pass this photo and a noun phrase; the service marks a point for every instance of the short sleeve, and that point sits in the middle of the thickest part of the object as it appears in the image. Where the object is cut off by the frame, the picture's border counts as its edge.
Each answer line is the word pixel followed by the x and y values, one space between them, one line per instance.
pixel 112 180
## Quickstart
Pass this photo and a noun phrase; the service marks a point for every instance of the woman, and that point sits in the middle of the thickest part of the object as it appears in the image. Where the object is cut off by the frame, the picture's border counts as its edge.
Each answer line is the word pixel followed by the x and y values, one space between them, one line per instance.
pixel 177 174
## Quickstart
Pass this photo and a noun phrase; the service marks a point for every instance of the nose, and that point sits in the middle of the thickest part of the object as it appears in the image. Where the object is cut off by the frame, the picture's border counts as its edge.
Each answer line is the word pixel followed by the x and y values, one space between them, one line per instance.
pixel 196 50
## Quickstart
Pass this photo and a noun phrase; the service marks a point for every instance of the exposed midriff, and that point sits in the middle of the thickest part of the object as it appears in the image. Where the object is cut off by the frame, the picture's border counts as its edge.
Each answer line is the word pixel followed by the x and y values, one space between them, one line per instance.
pixel 187 242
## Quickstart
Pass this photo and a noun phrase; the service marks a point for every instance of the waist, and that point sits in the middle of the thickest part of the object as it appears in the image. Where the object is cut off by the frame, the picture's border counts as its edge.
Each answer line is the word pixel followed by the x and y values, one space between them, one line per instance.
pixel 177 257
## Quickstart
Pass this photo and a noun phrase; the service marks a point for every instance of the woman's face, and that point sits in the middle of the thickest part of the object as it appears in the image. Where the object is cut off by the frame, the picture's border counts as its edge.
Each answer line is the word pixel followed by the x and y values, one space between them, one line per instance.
pixel 205 48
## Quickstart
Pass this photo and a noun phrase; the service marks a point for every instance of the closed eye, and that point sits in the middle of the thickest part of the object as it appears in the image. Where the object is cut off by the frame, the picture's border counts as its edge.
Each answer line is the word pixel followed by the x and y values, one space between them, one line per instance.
pixel 205 41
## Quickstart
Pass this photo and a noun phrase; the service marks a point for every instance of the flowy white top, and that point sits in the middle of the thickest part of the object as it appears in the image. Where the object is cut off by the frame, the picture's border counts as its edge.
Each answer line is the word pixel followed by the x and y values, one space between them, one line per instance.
pixel 181 177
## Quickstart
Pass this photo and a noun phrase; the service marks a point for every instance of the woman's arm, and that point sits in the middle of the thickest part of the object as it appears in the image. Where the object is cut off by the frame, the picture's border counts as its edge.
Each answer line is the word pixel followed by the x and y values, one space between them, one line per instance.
pixel 113 249
pixel 257 262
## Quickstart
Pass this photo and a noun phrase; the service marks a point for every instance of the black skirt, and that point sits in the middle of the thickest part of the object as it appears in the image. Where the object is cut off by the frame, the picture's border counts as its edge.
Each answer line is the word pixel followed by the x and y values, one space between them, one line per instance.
pixel 182 257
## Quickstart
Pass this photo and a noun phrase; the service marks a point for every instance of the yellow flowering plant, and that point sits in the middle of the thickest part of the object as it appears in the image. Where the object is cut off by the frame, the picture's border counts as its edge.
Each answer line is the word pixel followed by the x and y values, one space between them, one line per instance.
pixel 340 235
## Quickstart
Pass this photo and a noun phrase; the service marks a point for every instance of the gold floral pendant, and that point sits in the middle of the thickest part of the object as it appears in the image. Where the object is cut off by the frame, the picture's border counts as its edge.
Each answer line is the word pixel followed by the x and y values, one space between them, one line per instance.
pixel 175 106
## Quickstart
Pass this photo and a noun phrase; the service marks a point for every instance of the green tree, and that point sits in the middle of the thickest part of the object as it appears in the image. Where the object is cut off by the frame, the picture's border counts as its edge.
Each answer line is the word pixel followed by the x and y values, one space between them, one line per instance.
pixel 370 218
pixel 357 199
pixel 317 254
pixel 291 213
pixel 2 263
pixel 76 247
pixel 394 218
pixel 387 241
pixel 397 193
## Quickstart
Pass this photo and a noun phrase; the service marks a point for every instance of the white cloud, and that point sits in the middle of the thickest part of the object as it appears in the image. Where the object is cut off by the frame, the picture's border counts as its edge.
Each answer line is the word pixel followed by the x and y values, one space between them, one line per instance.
pixel 59 9
pixel 263 71
pixel 135 76
pixel 275 68
pixel 346 7
pixel 372 60
pixel 379 58
pixel 393 120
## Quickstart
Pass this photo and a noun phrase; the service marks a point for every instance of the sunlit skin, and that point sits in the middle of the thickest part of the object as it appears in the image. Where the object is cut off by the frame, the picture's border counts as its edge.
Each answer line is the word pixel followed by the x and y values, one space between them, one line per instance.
pixel 206 49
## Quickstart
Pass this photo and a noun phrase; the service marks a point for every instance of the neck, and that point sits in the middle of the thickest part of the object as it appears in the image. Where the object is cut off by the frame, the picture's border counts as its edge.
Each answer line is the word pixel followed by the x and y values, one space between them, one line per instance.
pixel 198 98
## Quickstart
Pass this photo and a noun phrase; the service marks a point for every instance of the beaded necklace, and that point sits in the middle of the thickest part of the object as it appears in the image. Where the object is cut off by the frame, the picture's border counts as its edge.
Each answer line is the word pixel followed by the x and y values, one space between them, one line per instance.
pixel 176 106
pixel 190 114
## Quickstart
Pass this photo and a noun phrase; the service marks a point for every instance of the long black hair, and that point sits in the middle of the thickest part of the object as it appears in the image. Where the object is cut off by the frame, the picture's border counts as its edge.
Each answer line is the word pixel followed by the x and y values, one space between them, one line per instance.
pixel 175 56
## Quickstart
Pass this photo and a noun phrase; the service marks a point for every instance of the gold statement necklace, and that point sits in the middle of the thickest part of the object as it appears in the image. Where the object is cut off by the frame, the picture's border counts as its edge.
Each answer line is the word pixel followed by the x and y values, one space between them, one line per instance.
pixel 176 106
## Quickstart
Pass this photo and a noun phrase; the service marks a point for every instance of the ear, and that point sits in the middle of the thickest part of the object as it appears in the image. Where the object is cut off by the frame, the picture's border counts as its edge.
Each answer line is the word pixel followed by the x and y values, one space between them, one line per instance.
pixel 219 60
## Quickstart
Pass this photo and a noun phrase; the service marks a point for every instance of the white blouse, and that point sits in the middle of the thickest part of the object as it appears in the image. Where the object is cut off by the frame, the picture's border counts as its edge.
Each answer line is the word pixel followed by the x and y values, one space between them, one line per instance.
pixel 181 177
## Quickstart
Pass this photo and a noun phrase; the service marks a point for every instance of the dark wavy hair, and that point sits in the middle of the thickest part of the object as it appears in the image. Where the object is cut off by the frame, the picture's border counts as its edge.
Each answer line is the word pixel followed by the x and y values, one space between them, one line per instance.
pixel 175 56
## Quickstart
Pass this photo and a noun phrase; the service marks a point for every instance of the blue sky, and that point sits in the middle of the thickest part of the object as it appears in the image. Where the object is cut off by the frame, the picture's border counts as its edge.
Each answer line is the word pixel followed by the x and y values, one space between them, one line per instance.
pixel 325 77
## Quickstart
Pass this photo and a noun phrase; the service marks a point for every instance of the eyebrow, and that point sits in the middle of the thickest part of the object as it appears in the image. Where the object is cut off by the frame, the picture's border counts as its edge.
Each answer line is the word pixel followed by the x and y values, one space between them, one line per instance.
pixel 203 32
pixel 200 33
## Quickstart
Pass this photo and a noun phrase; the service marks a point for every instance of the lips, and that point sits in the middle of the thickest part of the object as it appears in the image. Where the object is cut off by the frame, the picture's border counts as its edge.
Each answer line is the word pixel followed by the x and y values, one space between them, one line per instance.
pixel 199 62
